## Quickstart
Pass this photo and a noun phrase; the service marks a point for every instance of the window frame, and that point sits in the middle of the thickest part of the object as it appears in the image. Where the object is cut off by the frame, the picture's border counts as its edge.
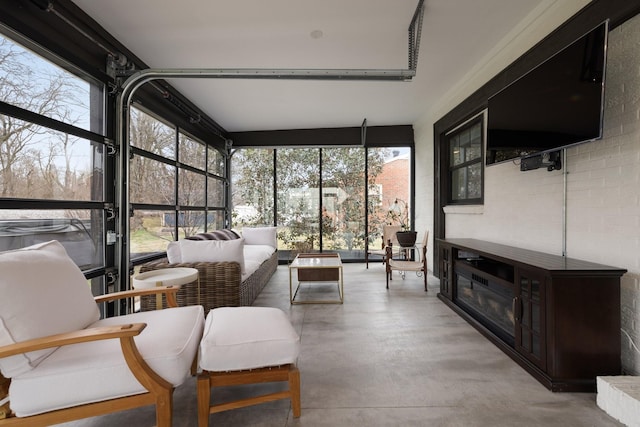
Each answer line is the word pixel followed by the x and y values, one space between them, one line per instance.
pixel 479 119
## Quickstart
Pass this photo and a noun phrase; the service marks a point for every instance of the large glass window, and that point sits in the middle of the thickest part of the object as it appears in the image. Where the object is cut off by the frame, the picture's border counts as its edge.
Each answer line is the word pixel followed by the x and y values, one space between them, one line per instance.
pixel 252 180
pixel 29 81
pixel 51 182
pixel 321 195
pixel 389 187
pixel 343 199
pixel 151 181
pixel 298 183
pixel 152 135
pixel 465 162
pixel 192 152
pixel 157 183
pixel 78 230
pixel 41 163
pixel 216 162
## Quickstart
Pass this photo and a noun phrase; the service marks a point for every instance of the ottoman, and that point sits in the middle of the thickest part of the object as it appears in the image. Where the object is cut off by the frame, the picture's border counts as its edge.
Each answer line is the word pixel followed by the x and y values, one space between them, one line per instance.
pixel 247 345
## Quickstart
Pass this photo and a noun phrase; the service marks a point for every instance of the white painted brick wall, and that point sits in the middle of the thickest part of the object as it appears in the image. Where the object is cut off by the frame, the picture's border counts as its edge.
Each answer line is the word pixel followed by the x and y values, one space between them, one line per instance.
pixel 620 397
pixel 524 209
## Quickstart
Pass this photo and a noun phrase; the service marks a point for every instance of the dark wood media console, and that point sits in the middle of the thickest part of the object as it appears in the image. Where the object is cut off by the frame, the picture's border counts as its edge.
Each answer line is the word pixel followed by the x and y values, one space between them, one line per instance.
pixel 559 318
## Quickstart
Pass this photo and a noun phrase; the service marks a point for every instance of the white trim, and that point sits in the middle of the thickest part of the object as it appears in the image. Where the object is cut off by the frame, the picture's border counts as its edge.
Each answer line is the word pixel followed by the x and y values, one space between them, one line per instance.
pixel 463 209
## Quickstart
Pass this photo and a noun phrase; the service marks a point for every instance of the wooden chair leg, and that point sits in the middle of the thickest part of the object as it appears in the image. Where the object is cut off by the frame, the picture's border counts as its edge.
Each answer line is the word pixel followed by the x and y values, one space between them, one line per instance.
pixel 294 389
pixel 164 409
pixel 194 366
pixel 204 399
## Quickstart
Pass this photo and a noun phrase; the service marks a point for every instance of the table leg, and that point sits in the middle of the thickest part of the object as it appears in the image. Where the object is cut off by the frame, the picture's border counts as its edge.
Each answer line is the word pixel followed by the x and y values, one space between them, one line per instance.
pixel 159 296
pixel 341 286
pixel 290 287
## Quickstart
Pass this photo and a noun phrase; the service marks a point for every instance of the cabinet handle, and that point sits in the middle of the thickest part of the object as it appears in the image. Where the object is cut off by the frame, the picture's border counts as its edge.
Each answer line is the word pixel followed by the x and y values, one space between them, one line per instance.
pixel 514 307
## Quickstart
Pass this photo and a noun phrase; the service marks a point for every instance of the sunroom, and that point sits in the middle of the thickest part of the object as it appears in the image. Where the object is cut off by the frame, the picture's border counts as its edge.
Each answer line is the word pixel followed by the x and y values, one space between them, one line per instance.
pixel 319 120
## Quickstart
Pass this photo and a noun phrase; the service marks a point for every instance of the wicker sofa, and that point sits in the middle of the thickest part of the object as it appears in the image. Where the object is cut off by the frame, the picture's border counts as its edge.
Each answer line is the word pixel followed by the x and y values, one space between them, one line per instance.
pixel 223 283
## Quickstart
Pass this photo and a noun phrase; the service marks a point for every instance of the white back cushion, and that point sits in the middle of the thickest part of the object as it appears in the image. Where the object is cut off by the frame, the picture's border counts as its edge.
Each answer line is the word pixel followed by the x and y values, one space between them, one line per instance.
pixel 42 292
pixel 260 236
pixel 213 251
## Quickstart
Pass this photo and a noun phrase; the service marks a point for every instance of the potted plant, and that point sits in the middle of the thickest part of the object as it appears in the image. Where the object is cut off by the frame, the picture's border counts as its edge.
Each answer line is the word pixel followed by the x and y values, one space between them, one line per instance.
pixel 399 214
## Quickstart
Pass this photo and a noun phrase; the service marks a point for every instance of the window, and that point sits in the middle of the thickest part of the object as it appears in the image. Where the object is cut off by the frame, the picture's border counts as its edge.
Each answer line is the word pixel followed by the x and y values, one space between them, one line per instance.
pixel 389 178
pixel 252 189
pixel 465 162
pixel 320 194
pixel 298 199
pixel 51 171
pixel 157 183
pixel 343 199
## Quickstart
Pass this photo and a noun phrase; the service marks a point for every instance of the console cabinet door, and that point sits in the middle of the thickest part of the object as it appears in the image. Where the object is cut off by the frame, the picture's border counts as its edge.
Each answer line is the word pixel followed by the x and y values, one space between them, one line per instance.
pixel 529 305
pixel 446 271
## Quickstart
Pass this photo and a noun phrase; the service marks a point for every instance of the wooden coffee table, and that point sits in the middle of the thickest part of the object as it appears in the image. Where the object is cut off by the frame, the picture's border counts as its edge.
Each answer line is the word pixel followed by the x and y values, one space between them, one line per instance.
pixel 316 268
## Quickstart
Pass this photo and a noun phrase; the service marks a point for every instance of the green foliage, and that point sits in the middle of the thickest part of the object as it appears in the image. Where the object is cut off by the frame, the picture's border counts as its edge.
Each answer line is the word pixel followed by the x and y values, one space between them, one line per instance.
pixel 298 182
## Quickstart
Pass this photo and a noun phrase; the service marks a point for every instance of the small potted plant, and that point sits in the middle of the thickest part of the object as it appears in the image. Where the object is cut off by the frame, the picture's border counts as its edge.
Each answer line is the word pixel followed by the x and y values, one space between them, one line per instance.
pixel 399 214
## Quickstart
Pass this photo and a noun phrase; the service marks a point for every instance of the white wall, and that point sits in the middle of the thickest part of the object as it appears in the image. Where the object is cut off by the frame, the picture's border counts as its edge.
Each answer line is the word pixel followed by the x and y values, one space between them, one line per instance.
pixel 525 209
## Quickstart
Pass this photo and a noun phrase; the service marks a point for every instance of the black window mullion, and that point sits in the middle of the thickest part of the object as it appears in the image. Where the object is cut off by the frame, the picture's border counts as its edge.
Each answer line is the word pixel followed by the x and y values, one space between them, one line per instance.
pixel 31 117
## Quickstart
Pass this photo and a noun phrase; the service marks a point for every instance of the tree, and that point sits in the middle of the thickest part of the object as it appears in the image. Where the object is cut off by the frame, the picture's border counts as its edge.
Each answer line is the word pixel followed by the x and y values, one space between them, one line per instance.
pixel 252 178
pixel 343 169
pixel 29 152
pixel 298 183
pixel 151 181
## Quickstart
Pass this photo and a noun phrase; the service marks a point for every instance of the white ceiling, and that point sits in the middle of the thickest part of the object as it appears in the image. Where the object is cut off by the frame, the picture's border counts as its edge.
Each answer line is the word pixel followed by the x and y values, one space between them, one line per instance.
pixel 342 34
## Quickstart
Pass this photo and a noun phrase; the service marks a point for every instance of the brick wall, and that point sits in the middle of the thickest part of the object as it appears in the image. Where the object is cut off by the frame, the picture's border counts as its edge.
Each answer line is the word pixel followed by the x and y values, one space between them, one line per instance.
pixel 394 180
pixel 525 209
pixel 604 191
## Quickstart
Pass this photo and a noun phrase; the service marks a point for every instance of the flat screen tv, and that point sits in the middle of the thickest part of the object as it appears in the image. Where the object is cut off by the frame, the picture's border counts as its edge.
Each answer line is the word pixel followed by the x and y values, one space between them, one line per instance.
pixel 557 104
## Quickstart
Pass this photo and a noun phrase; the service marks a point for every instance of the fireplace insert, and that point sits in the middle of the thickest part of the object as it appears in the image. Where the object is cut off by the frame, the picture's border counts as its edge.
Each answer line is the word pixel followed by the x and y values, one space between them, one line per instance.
pixel 488 300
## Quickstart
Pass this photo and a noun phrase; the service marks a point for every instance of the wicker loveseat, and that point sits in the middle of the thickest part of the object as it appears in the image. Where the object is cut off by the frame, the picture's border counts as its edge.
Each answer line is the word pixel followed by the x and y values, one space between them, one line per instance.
pixel 223 283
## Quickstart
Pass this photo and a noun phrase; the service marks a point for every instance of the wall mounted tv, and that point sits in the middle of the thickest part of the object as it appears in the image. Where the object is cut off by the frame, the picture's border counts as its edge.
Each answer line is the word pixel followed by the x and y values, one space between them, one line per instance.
pixel 557 104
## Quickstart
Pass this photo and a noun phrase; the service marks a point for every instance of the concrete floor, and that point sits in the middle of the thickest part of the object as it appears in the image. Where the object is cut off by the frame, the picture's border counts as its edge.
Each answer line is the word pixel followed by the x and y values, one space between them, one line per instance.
pixel 396 357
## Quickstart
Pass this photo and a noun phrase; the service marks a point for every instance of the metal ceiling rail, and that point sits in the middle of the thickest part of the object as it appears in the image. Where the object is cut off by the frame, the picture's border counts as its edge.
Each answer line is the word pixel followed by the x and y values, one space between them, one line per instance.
pixel 138 78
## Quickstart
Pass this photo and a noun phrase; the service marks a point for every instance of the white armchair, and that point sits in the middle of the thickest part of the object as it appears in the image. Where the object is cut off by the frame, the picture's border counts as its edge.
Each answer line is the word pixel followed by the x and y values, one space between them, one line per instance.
pixel 65 363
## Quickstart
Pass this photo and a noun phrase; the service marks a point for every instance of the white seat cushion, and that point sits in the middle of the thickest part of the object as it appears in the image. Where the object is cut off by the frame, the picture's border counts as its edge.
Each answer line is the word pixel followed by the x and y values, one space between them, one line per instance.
pixel 240 338
pixel 96 371
pixel 259 253
pixel 254 256
pixel 250 267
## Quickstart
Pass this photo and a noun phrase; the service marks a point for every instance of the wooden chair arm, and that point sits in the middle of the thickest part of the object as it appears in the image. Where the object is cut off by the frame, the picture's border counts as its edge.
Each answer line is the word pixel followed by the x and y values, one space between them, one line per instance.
pixel 84 335
pixel 169 291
